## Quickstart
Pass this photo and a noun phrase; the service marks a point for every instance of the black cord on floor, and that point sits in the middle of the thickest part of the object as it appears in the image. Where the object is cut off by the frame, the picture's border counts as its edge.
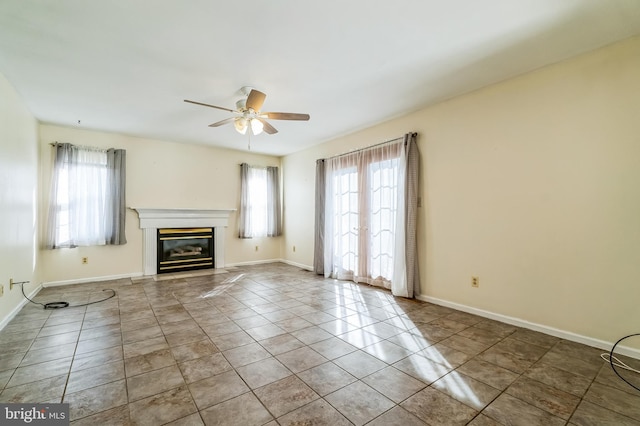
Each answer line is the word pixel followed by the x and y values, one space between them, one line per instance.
pixel 60 305
pixel 611 358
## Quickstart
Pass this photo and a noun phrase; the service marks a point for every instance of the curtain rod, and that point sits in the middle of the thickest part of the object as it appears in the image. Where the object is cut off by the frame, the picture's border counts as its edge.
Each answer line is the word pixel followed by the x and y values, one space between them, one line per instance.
pixel 371 146
pixel 56 143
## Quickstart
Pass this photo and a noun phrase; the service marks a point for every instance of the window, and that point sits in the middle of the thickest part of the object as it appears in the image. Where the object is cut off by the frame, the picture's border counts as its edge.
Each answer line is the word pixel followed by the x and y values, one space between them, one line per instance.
pixel 259 202
pixel 87 204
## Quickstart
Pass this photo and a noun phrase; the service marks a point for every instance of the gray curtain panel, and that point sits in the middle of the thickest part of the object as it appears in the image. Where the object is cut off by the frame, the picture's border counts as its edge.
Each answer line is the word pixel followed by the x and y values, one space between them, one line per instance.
pixel 411 210
pixel 62 153
pixel 318 247
pixel 116 207
pixel 274 223
pixel 245 219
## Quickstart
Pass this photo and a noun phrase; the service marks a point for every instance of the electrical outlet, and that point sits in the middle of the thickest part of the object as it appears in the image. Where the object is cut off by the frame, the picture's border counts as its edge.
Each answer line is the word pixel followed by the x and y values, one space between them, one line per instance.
pixel 1 290
pixel 256 248
pixel 294 249
pixel 10 284
pixel 475 282
pixel 85 260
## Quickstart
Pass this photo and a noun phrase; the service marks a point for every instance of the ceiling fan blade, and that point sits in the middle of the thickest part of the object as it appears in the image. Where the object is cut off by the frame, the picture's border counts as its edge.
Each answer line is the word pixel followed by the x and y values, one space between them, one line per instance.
pixel 255 99
pixel 221 122
pixel 268 128
pixel 210 106
pixel 285 116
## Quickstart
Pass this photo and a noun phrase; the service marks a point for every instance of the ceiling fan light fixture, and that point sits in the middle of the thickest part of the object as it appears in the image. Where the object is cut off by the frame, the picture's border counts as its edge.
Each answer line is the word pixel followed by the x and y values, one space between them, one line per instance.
pixel 256 126
pixel 240 124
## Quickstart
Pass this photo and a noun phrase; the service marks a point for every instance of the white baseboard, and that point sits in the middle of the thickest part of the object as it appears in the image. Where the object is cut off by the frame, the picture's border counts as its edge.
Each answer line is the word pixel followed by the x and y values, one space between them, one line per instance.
pixel 261 262
pixel 563 334
pixel 19 306
pixel 91 279
pixel 297 265
pixel 252 262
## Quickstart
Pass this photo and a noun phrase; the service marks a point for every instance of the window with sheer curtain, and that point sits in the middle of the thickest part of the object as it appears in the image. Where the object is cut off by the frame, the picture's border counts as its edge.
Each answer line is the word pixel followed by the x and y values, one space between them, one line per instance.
pixel 362 208
pixel 87 200
pixel 259 202
pixel 366 214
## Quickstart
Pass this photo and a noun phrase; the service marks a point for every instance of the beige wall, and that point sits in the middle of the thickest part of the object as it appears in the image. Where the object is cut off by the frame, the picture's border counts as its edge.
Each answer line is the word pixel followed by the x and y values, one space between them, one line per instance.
pixel 18 198
pixel 533 185
pixel 157 172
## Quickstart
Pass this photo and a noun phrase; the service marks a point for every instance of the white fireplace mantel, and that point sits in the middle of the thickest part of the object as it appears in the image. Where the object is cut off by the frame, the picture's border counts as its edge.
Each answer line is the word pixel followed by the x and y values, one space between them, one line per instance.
pixel 153 219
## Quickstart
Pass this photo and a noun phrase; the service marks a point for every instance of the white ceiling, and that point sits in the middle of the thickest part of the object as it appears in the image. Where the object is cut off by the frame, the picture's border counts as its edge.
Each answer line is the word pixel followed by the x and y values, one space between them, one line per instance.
pixel 126 65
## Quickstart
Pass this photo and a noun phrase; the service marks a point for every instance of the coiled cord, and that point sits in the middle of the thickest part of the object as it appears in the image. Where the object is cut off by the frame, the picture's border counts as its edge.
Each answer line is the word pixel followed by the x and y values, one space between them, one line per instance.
pixel 60 305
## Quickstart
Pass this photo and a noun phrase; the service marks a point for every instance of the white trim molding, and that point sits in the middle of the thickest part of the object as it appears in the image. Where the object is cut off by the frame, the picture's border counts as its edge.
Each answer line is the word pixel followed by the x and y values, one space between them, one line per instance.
pixel 563 334
pixel 153 219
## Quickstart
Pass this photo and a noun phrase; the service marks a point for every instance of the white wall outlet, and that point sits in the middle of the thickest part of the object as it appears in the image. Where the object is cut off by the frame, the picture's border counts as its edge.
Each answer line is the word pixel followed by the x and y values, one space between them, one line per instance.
pixel 475 282
pixel 1 290
pixel 85 260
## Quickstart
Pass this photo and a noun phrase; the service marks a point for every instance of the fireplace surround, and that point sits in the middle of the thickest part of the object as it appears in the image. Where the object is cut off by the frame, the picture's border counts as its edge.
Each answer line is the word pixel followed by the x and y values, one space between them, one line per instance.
pixel 153 219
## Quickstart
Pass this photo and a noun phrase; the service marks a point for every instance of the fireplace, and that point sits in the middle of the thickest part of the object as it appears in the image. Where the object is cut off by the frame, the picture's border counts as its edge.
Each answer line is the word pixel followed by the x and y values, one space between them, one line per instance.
pixel 153 219
pixel 184 249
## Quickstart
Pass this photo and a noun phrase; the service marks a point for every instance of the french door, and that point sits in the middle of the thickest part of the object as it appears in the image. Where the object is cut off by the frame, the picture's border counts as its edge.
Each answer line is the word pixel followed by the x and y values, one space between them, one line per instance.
pixel 363 205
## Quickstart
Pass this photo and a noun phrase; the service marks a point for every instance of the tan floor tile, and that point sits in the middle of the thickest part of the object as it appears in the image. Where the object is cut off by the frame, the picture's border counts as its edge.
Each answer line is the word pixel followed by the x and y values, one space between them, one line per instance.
pixel 434 407
pixel 488 373
pixel 545 397
pixel 139 334
pixel 50 389
pixel 509 410
pixel 588 413
pixel 144 347
pixel 247 354
pixel 118 416
pixel 94 400
pixel 217 389
pixel 285 395
pixel 97 358
pixel 153 382
pixel 615 400
pixel 359 363
pixel 36 372
pixel 204 367
pixel 467 390
pixel 422 368
pixel 163 408
pixel 301 359
pixel 326 378
pixel 48 354
pixel 359 403
pixel 318 412
pixel 95 376
pixel 244 410
pixel 394 384
pixel 333 348
pixel 397 416
pixel 186 336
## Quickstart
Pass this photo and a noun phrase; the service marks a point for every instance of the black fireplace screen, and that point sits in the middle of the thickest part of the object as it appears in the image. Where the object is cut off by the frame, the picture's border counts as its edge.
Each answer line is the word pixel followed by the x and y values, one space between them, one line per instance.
pixel 184 249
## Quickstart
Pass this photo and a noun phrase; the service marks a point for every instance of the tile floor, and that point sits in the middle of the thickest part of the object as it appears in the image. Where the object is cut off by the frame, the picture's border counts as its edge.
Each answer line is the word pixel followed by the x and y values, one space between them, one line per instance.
pixel 273 344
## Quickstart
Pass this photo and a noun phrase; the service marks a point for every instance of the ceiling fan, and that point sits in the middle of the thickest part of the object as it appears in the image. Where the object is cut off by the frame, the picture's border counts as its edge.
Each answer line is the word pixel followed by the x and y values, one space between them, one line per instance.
pixel 248 113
